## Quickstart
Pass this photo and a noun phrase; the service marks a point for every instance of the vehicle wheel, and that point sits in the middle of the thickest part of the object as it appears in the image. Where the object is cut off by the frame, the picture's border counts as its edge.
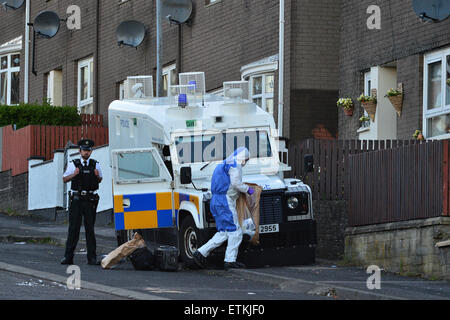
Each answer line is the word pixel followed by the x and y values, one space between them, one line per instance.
pixel 189 238
pixel 124 236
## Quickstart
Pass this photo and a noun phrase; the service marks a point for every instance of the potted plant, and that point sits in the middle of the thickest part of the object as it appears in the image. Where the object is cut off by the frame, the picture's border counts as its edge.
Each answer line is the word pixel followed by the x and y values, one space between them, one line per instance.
pixel 347 105
pixel 418 135
pixel 369 103
pixel 365 121
pixel 395 96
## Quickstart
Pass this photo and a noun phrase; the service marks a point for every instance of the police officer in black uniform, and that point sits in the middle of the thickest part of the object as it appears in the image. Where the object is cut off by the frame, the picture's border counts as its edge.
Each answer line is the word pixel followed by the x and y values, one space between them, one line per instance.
pixel 85 175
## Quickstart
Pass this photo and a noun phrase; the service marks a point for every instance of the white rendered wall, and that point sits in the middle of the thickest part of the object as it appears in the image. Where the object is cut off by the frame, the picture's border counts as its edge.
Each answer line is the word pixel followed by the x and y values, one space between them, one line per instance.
pixel 46 187
pixel 45 183
pixel 385 124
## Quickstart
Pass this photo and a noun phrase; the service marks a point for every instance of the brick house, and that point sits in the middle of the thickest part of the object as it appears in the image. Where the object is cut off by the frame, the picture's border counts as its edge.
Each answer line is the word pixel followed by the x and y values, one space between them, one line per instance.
pixel 229 40
pixel 404 51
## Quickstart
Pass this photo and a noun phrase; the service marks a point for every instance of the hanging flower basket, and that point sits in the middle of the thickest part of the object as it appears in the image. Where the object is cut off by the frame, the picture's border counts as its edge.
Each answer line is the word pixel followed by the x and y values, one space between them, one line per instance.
pixel 418 135
pixel 347 105
pixel 348 112
pixel 369 103
pixel 395 96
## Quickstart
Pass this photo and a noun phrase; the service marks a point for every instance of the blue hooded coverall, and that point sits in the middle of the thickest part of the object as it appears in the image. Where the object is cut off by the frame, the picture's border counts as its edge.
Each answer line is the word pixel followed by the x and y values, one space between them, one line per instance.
pixel 226 186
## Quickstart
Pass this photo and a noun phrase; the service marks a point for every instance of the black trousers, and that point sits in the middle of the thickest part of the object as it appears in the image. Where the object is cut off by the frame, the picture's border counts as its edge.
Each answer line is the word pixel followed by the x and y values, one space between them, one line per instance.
pixel 81 209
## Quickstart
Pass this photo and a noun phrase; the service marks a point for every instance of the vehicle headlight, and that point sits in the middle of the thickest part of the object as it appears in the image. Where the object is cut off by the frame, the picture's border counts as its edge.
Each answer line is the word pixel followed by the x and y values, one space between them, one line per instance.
pixel 292 203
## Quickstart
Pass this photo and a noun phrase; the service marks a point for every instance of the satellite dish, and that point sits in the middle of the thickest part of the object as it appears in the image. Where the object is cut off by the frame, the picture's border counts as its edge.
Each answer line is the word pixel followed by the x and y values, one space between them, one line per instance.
pixel 434 10
pixel 13 4
pixel 177 11
pixel 130 33
pixel 46 24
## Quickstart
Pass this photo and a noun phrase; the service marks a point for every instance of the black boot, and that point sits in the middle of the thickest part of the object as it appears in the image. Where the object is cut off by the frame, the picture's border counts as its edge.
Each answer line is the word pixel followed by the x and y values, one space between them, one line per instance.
pixel 233 265
pixel 67 261
pixel 199 259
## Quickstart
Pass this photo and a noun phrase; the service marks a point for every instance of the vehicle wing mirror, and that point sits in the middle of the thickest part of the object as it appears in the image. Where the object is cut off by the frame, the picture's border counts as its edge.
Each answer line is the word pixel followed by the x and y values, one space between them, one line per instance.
pixel 309 163
pixel 186 175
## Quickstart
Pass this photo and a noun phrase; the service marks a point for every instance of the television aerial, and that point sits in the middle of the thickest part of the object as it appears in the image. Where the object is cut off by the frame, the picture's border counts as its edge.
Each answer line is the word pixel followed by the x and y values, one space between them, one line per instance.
pixel 432 10
pixel 12 4
pixel 131 33
pixel 177 11
pixel 46 25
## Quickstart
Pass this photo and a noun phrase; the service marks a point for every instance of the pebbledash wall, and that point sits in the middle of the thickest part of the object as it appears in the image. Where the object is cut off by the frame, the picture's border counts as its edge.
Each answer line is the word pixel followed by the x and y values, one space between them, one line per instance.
pixel 224 38
pixel 398 46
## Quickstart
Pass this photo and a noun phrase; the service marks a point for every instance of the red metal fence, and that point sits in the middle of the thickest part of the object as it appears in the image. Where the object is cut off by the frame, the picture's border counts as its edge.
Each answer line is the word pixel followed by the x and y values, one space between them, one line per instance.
pixel 411 182
pixel 19 145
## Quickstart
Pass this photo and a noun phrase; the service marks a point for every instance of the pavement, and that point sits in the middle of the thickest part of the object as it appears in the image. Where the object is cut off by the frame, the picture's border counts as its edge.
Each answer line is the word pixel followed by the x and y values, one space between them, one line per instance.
pixel 325 278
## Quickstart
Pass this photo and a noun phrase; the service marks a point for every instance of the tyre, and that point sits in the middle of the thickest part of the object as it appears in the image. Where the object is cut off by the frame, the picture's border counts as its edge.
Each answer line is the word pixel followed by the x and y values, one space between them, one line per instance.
pixel 189 240
pixel 124 236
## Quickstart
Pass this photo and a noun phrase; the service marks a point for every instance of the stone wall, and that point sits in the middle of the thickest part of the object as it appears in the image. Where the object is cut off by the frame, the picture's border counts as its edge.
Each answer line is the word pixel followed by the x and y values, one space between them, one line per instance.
pixel 13 193
pixel 332 219
pixel 408 247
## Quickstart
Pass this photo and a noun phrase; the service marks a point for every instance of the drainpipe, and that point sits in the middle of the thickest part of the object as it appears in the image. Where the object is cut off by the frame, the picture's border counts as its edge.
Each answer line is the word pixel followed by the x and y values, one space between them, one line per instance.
pixel 97 60
pixel 180 48
pixel 158 49
pixel 281 71
pixel 27 53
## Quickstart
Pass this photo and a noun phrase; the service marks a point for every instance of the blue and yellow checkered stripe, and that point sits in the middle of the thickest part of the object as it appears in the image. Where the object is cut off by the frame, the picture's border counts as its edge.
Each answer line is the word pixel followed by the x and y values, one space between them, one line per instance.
pixel 148 211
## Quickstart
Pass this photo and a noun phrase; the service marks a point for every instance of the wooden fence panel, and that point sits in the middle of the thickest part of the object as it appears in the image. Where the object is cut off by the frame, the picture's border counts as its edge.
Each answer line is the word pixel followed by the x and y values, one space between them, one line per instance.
pixel 19 145
pixel 409 181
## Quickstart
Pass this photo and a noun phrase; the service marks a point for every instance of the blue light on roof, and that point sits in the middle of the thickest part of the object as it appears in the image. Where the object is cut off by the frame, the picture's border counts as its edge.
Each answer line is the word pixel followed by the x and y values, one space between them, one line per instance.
pixel 192 85
pixel 182 100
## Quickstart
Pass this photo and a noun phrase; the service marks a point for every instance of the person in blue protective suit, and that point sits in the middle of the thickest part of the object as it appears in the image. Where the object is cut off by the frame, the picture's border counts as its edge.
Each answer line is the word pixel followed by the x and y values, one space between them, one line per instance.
pixel 226 186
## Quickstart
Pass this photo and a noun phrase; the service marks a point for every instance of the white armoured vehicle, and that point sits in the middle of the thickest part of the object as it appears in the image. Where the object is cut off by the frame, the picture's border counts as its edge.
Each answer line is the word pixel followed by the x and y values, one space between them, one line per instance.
pixel 164 152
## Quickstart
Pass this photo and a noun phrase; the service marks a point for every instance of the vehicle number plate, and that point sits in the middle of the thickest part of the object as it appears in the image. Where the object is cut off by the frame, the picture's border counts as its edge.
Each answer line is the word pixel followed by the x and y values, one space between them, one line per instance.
pixel 269 228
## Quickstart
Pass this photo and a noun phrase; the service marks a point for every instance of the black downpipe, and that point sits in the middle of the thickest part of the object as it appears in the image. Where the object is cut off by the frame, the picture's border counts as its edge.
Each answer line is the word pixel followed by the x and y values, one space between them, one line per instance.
pixel 180 48
pixel 33 68
pixel 97 59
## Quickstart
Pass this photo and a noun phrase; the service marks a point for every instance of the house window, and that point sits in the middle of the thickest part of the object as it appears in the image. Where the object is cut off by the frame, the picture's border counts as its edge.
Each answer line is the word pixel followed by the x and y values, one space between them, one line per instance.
pixel 86 86
pixel 169 78
pixel 9 79
pixel 262 90
pixel 436 101
pixel 261 77
pixel 54 87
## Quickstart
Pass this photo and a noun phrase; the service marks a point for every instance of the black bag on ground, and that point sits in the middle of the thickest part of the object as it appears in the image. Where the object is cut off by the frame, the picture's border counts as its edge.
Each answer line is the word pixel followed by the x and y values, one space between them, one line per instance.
pixel 166 258
pixel 142 259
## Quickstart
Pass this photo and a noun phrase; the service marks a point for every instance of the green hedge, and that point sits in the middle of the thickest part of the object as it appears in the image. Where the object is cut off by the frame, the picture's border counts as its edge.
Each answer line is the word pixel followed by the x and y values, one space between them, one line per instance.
pixel 38 114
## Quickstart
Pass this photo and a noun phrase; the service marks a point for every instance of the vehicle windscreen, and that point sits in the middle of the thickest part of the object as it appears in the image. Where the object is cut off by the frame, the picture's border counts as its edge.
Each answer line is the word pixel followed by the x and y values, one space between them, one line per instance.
pixel 217 147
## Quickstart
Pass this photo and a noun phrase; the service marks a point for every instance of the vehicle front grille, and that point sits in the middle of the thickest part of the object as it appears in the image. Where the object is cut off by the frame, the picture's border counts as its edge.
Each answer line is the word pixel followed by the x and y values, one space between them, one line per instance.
pixel 271 208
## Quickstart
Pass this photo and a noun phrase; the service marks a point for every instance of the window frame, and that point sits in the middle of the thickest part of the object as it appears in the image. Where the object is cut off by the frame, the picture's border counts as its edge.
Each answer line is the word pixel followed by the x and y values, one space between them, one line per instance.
pixel 444 109
pixel 264 96
pixel 90 100
pixel 9 70
pixel 164 175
